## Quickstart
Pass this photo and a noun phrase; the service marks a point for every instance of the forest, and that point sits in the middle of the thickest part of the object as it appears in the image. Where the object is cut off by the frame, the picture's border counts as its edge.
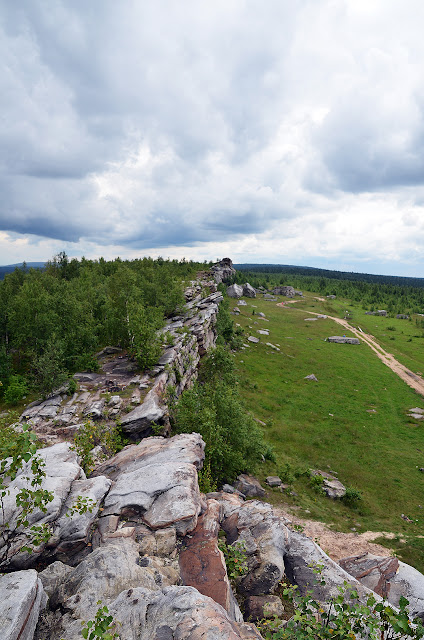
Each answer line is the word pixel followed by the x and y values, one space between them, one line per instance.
pixel 53 321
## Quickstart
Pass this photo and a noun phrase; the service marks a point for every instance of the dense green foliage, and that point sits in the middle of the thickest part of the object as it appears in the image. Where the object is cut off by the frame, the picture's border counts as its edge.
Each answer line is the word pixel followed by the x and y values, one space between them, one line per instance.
pixel 52 321
pixel 212 407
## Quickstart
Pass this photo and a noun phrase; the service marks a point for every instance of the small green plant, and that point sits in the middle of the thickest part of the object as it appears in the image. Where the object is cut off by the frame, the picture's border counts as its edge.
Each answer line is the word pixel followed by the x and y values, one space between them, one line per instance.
pixel 72 387
pixel 92 434
pixel 352 497
pixel 235 559
pixel 317 483
pixel 82 505
pixel 206 483
pixel 103 627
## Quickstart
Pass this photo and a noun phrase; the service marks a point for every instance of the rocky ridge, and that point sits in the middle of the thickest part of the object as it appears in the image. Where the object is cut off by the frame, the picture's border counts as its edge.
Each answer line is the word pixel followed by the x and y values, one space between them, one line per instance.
pixel 117 392
pixel 148 546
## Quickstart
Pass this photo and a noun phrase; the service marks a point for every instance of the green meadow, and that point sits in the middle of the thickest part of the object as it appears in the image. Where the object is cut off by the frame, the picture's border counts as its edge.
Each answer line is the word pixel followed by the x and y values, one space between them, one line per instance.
pixel 353 421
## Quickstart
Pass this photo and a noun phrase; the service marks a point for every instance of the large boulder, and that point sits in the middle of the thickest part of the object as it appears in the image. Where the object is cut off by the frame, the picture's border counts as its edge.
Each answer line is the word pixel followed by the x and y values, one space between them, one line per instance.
pixel 62 472
pixel 390 578
pixel 139 421
pixel 249 291
pixel 284 291
pixel 235 291
pixel 264 536
pixel 302 560
pixel 156 481
pixel 22 598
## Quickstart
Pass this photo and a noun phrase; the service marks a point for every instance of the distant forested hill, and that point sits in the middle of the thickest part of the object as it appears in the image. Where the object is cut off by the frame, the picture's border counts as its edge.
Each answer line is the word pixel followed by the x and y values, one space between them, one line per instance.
pixel 9 268
pixel 331 274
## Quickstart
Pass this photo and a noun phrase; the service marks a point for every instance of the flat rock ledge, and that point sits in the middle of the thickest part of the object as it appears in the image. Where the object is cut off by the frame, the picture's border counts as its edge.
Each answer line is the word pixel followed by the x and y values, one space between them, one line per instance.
pixel 343 340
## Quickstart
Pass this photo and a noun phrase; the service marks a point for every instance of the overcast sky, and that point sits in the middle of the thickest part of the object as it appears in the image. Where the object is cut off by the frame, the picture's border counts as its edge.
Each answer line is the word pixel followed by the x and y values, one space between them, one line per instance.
pixel 285 131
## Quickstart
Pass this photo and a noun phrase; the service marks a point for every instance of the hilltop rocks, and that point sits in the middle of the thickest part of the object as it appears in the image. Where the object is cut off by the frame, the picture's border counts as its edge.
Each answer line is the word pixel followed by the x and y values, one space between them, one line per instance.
pixel 142 491
pixel 21 599
pixel 66 480
pixel 390 578
pixel 223 270
pixel 343 340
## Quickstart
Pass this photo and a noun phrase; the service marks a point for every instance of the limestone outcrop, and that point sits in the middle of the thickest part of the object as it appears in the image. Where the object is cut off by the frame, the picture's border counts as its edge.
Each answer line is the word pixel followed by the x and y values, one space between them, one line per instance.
pixel 186 338
pixel 223 270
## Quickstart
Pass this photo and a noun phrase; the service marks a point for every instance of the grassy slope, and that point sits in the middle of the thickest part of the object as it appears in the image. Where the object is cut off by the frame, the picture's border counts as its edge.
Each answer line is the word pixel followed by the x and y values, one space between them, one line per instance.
pixel 353 421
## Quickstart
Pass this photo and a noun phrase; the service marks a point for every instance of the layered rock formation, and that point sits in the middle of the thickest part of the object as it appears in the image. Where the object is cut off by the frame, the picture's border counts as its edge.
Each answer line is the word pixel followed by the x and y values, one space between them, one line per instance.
pixel 103 396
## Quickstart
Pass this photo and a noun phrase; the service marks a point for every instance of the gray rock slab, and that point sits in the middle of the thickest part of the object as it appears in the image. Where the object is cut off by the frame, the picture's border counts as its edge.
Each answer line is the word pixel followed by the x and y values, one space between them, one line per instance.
pixel 343 340
pixel 302 558
pixel 249 291
pixel 142 416
pixel 76 527
pixel 235 291
pixel 273 346
pixel 253 339
pixel 311 377
pixel 21 599
pixel 273 481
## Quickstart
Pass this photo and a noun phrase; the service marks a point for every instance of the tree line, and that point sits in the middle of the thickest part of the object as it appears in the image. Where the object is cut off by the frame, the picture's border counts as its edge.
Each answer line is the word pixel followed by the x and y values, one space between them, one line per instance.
pixel 52 321
pixel 395 298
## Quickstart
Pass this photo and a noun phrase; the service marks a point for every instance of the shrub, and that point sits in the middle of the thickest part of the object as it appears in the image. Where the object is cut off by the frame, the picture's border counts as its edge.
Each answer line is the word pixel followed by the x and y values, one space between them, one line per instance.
pixel 16 390
pixel 235 559
pixel 352 497
pixel 90 435
pixel 212 407
pixel 344 617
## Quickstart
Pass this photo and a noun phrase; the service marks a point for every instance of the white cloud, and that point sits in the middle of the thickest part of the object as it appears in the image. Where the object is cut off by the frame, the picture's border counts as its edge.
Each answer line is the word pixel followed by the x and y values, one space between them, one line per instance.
pixel 285 132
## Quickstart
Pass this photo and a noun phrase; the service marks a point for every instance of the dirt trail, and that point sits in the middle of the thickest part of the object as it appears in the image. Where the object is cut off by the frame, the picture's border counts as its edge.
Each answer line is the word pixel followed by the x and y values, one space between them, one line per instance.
pixel 411 379
pixel 336 544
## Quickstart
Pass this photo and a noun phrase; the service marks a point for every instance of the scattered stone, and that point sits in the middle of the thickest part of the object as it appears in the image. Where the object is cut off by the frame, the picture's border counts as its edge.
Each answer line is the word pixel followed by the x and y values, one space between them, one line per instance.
pixel 268 344
pixel 402 316
pixel 321 316
pixel 343 340
pixel 263 332
pixel 249 486
pixel 260 314
pixel 253 339
pixel 417 410
pixel 311 377
pixel 242 303
pixel 310 319
pixel 273 481
pixel 331 485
